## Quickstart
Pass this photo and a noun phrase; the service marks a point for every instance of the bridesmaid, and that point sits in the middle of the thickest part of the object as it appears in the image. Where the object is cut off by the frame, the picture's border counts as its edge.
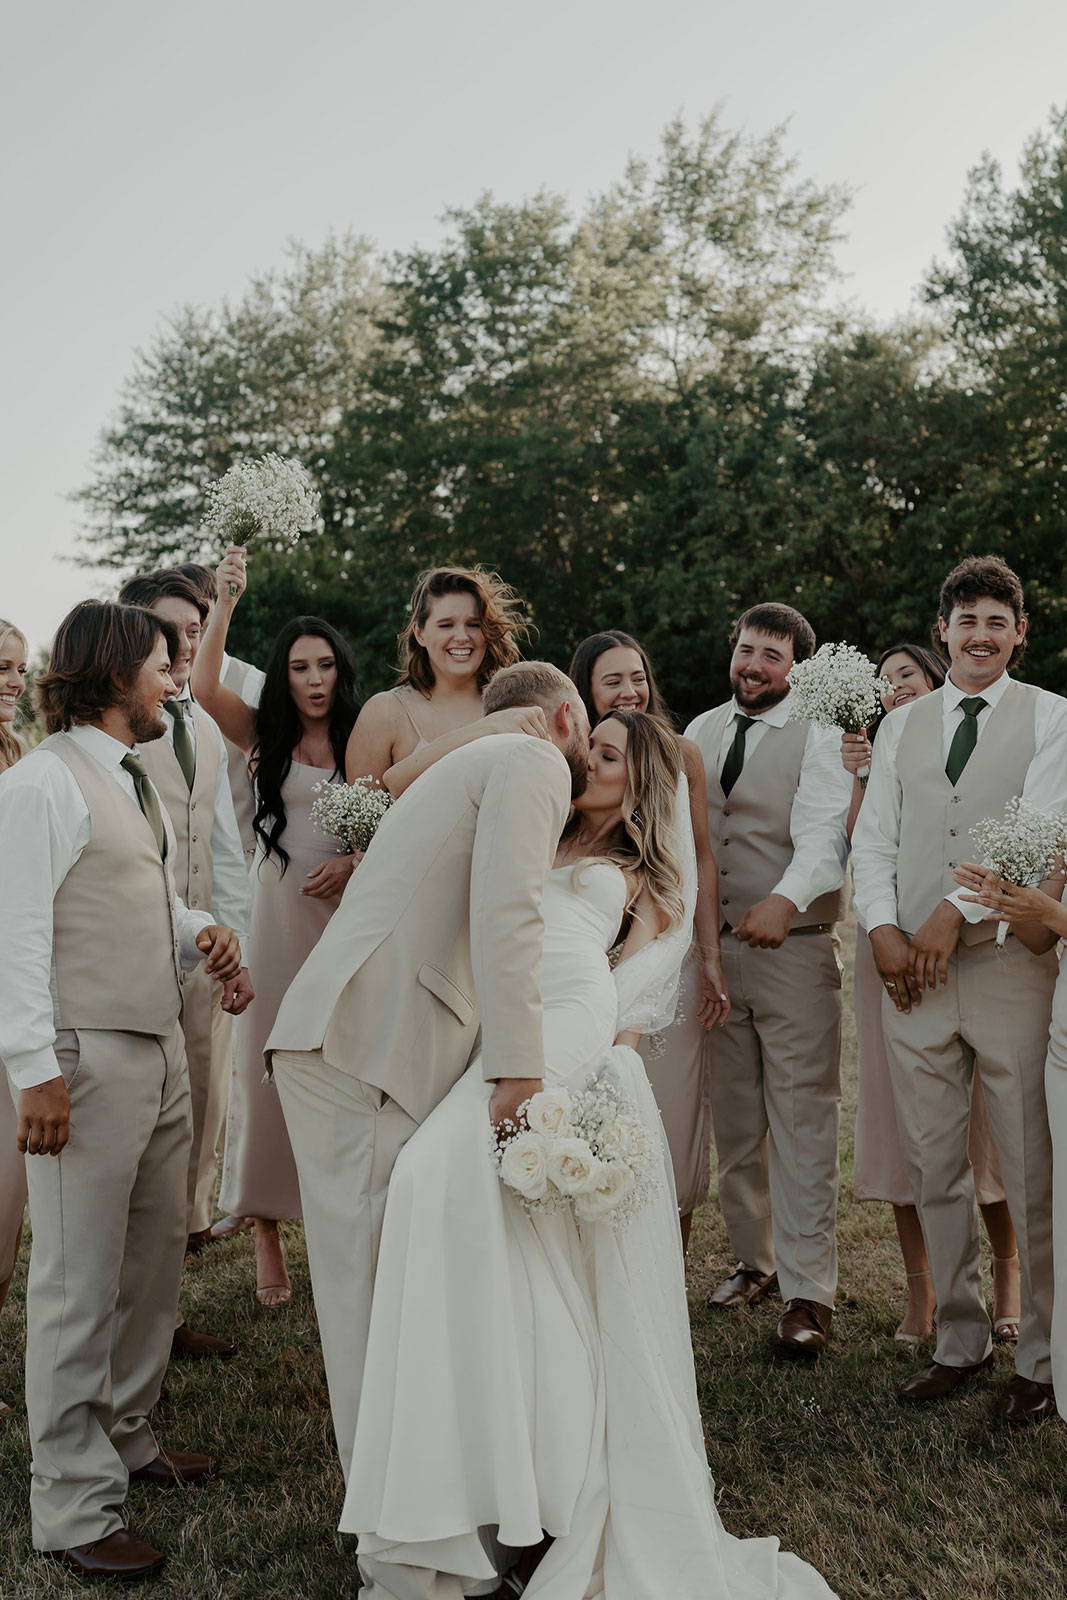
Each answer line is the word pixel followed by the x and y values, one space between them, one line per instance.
pixel 461 628
pixel 612 673
pixel 880 1173
pixel 13 663
pixel 295 739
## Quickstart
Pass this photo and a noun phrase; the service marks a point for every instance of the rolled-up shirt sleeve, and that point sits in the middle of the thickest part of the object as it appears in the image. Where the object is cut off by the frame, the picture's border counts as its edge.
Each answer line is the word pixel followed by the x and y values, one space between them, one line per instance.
pixel 41 838
pixel 818 822
pixel 188 925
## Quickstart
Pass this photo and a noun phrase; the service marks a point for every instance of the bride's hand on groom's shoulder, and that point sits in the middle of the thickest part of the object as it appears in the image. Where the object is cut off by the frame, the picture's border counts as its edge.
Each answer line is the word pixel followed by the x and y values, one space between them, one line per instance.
pixel 508 1095
pixel 518 719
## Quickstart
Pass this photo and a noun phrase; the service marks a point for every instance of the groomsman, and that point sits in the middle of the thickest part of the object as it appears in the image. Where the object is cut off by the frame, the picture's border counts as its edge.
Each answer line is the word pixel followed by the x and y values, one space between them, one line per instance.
pixel 188 768
pixel 778 799
pixel 90 989
pixel 954 1003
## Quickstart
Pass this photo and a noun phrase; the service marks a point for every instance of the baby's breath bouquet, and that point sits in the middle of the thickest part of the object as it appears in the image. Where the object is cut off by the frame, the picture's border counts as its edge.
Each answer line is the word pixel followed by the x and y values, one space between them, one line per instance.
pixel 837 688
pixel 1022 847
pixel 272 495
pixel 350 812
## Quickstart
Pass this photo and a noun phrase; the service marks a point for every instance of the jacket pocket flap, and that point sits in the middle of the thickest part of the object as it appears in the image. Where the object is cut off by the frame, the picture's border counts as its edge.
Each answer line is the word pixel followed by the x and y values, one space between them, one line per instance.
pixel 445 990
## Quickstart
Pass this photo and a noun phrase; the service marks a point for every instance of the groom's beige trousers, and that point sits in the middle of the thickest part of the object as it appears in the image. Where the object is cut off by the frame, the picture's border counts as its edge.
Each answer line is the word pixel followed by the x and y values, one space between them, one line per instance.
pixel 109 1228
pixel 346 1136
pixel 991 1018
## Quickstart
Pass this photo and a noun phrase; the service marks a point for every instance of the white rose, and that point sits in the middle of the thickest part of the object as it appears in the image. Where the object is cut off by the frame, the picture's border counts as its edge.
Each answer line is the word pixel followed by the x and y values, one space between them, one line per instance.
pixel 523 1165
pixel 549 1112
pixel 623 1140
pixel 573 1167
pixel 613 1186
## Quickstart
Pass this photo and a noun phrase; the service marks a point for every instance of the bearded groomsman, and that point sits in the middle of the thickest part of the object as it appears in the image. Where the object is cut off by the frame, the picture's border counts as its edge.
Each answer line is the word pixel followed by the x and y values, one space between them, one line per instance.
pixel 778 799
pixel 954 1003
pixel 90 990
pixel 188 767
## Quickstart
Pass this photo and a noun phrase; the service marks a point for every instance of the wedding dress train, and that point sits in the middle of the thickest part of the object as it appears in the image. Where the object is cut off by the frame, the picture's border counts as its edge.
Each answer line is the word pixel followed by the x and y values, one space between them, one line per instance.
pixel 523 1375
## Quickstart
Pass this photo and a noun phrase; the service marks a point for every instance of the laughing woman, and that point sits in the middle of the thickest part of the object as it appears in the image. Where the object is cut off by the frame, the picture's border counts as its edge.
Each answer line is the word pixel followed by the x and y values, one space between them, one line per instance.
pixel 295 740
pixel 13 653
pixel 462 627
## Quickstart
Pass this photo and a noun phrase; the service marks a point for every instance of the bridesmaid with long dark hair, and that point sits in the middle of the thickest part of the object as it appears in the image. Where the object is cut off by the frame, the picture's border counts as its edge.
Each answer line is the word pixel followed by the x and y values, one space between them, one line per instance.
pixel 295 740
pixel 612 672
pixel 13 665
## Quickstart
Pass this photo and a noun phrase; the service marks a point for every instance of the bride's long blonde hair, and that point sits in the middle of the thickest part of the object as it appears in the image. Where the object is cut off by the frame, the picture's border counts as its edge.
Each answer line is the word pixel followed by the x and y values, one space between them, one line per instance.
pixel 10 744
pixel 643 843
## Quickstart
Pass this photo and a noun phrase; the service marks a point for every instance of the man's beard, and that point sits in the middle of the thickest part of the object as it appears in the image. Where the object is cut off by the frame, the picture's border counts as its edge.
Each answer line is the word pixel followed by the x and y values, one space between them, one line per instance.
pixel 146 722
pixel 755 697
pixel 578 760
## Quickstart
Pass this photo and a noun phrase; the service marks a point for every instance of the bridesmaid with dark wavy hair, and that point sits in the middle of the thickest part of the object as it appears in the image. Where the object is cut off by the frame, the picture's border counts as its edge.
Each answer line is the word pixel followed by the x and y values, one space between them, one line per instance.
pixel 612 673
pixel 295 739
pixel 13 666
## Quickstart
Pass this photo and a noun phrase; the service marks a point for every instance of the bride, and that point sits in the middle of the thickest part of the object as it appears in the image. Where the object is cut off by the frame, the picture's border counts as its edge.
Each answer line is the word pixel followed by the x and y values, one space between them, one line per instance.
pixel 529 1407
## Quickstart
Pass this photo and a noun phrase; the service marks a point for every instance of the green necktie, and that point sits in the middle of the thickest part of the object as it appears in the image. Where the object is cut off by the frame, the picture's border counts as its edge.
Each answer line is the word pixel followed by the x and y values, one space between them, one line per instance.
pixel 735 756
pixel 964 739
pixel 183 741
pixel 146 799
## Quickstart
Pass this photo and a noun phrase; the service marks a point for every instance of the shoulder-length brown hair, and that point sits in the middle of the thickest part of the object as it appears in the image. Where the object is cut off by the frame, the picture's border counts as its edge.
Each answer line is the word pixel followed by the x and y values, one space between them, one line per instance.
pixel 10 743
pixel 98 650
pixel 498 610
pixel 589 652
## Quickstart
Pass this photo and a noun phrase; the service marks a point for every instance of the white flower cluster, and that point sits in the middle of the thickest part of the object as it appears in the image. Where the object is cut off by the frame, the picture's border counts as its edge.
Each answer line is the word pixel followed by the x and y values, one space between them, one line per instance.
pixel 271 496
pixel 1022 847
pixel 838 688
pixel 591 1150
pixel 350 812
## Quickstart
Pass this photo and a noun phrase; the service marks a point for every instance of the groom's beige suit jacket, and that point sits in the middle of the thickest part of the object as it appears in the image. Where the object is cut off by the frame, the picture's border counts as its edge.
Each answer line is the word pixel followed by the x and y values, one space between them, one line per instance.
pixel 440 930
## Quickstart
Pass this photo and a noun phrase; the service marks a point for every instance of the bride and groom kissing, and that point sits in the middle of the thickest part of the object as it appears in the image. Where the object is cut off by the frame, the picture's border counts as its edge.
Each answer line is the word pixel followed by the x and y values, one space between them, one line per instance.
pixel 512 1391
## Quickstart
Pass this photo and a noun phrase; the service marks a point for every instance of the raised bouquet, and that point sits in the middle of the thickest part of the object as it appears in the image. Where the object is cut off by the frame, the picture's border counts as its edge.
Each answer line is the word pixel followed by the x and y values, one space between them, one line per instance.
pixel 271 495
pixel 838 688
pixel 1023 846
pixel 591 1150
pixel 350 812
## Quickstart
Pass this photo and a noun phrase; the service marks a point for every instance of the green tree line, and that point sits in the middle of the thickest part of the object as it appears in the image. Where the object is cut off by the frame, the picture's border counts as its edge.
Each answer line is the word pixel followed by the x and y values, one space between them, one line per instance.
pixel 645 414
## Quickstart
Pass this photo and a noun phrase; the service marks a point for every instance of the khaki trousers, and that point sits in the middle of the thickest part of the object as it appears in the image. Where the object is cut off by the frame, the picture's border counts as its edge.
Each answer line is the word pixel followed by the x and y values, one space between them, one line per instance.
pixel 108 1218
pixel 346 1136
pixel 991 1018
pixel 12 1181
pixel 208 1034
pixel 1056 1099
pixel 775 1102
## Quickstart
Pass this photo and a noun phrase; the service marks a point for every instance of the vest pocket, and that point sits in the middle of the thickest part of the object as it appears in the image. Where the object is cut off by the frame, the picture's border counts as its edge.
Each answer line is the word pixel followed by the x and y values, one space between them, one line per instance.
pixel 446 991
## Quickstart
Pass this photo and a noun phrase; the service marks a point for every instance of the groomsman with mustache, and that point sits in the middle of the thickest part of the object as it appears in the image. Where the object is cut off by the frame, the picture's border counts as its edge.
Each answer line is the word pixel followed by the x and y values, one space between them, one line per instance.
pixel 954 1003
pixel 778 798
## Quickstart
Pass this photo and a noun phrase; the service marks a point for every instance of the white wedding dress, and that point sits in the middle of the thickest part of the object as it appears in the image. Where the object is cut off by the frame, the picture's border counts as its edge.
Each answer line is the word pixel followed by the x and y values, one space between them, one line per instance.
pixel 522 1375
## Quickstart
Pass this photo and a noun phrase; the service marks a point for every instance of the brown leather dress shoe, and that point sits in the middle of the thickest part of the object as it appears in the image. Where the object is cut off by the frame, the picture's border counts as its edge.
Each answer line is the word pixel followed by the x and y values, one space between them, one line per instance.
pixel 745 1287
pixel 172 1467
pixel 936 1381
pixel 803 1328
pixel 189 1346
pixel 196 1241
pixel 120 1555
pixel 1022 1400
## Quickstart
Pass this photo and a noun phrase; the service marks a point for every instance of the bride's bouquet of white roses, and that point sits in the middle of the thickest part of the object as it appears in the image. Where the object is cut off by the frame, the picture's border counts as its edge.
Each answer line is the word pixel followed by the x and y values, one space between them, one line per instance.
pixel 838 688
pixel 591 1150
pixel 1023 846
pixel 349 812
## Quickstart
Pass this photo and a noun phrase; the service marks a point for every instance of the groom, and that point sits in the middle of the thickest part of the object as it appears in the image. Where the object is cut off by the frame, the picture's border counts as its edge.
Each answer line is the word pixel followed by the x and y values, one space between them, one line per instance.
pixel 439 933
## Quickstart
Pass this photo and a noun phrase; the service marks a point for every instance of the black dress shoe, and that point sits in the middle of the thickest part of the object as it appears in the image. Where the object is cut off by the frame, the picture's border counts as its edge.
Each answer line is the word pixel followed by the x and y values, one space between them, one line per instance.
pixel 803 1328
pixel 189 1346
pixel 1023 1400
pixel 936 1381
pixel 120 1555
pixel 745 1287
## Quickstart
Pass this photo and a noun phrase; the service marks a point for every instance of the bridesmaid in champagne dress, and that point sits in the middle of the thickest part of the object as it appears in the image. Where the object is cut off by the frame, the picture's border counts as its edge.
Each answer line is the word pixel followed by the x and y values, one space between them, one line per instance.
pixel 880 1173
pixel 295 739
pixel 13 662
pixel 612 673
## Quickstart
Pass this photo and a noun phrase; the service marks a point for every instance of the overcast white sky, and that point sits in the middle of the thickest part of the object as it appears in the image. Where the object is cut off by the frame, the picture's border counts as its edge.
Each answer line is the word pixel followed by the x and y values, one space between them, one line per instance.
pixel 154 154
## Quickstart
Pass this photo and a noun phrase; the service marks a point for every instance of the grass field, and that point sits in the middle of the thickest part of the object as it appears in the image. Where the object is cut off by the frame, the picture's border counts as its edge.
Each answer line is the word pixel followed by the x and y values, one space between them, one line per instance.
pixel 890 1503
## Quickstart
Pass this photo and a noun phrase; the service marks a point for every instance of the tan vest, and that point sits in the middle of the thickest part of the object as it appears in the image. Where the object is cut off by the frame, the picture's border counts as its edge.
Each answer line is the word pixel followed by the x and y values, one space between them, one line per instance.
pixel 750 827
pixel 115 945
pixel 192 813
pixel 935 818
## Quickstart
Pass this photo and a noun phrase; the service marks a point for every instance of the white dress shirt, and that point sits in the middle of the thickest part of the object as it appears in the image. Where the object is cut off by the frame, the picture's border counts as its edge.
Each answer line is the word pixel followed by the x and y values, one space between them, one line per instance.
pixel 44 827
pixel 819 814
pixel 231 893
pixel 876 838
pixel 243 678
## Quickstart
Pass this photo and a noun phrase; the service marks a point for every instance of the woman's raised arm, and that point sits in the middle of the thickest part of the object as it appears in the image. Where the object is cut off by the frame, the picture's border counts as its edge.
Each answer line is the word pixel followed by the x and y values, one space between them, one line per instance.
pixel 236 719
